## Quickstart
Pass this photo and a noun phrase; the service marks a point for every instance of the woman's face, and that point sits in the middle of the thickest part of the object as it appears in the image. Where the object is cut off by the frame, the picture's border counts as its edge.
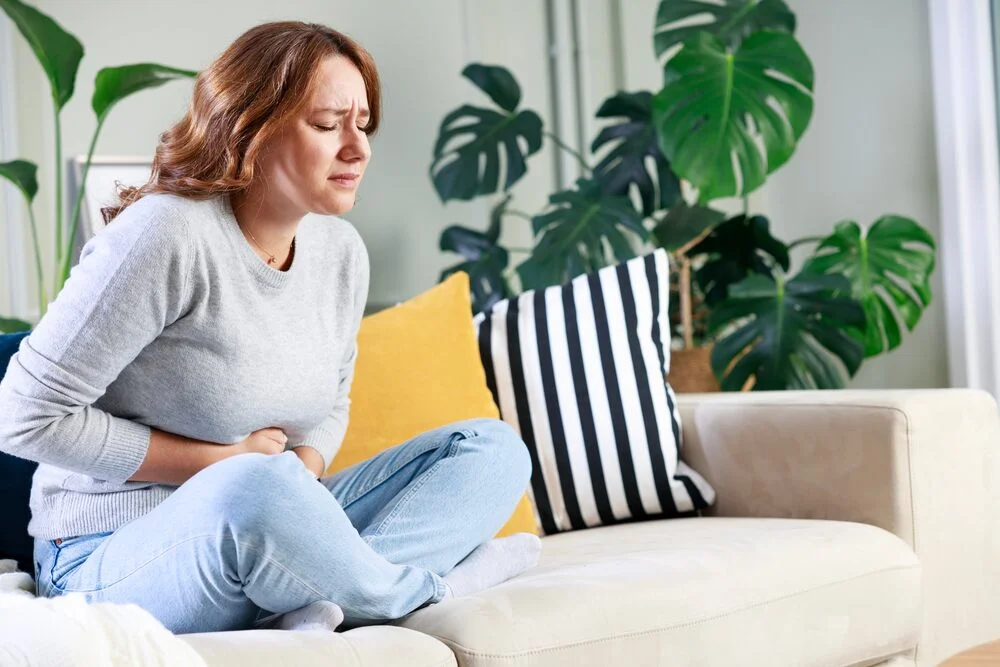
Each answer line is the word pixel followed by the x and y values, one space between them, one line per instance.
pixel 315 164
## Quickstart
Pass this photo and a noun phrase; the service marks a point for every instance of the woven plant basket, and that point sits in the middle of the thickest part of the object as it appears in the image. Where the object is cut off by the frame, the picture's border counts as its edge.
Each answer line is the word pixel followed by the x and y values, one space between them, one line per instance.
pixel 691 371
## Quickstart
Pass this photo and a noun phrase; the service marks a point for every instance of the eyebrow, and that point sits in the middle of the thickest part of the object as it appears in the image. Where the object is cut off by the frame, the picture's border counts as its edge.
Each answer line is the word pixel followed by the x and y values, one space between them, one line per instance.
pixel 363 113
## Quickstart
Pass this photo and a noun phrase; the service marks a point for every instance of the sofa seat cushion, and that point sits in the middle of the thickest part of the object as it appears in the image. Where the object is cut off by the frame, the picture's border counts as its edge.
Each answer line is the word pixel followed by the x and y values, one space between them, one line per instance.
pixel 705 591
pixel 374 646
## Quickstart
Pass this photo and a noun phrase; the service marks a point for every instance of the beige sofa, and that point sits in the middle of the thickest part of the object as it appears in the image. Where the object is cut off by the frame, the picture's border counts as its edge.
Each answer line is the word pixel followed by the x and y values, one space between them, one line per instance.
pixel 851 528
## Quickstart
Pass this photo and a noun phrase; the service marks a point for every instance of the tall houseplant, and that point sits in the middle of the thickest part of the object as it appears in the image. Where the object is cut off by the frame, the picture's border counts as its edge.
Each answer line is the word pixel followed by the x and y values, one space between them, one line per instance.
pixel 736 99
pixel 59 53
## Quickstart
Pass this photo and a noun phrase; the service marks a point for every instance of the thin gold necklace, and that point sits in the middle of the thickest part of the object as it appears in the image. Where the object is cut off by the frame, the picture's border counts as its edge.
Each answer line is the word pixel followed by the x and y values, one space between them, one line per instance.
pixel 271 259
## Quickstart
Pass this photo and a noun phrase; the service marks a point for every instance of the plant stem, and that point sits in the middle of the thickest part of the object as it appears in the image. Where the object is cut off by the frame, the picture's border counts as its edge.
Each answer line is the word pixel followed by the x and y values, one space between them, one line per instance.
pixel 805 239
pixel 42 296
pixel 558 142
pixel 686 306
pixel 517 214
pixel 59 206
pixel 690 245
pixel 75 219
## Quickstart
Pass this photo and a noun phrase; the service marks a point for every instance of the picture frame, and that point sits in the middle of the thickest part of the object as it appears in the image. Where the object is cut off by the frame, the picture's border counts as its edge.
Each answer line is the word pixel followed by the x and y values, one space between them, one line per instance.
pixel 104 173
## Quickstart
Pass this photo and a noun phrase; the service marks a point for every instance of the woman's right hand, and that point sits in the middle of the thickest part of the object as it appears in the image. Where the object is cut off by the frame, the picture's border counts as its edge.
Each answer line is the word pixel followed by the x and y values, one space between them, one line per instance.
pixel 269 440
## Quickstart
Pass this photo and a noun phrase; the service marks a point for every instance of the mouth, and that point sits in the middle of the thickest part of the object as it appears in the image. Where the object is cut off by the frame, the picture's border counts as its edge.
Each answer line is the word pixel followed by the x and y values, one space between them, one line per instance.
pixel 345 180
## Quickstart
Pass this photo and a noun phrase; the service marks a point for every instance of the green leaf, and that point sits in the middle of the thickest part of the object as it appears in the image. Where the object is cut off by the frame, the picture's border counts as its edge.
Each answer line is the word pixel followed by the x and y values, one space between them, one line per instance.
pixel 625 165
pixel 497 82
pixel 456 172
pixel 729 22
pixel 752 104
pixel 58 52
pixel 585 230
pixel 10 325
pixel 485 262
pixel 889 268
pixel 734 250
pixel 22 174
pixel 470 167
pixel 683 224
pixel 114 84
pixel 787 335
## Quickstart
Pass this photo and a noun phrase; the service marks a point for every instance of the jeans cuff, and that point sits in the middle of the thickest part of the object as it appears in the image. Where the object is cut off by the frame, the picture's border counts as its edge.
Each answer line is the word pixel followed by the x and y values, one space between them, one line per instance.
pixel 440 588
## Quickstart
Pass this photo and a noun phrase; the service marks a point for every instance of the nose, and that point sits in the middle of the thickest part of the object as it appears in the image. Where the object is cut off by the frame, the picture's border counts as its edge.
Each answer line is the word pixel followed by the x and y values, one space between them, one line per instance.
pixel 355 148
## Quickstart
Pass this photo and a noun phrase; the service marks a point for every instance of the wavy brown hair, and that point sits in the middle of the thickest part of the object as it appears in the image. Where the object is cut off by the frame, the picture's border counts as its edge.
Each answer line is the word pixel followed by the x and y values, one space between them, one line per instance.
pixel 240 101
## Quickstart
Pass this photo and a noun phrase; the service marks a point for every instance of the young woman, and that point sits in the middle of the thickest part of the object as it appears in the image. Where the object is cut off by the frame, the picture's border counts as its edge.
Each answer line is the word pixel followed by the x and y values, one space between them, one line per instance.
pixel 190 383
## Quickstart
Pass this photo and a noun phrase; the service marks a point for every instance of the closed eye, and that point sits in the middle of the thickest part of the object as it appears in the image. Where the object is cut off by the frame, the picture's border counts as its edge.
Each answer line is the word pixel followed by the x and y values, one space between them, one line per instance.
pixel 323 128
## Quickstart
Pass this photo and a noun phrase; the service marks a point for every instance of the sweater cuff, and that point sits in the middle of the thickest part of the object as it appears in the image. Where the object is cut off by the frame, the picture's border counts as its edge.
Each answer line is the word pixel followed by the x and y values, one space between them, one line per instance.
pixel 324 441
pixel 123 452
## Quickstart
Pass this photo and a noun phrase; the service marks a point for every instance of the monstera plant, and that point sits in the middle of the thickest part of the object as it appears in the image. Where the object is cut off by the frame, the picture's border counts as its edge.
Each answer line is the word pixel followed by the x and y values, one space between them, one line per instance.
pixel 59 53
pixel 737 97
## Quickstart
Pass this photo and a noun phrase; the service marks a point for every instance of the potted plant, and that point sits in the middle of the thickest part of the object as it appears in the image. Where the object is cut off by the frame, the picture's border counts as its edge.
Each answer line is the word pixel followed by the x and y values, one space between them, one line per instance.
pixel 59 53
pixel 736 99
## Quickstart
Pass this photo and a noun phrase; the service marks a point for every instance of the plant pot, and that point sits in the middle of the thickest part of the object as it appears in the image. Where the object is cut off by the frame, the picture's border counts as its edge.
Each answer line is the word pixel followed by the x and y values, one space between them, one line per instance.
pixel 691 371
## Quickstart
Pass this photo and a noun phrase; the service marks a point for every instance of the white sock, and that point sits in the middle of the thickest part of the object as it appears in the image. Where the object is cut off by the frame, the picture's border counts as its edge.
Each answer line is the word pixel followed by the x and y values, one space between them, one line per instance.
pixel 320 615
pixel 493 562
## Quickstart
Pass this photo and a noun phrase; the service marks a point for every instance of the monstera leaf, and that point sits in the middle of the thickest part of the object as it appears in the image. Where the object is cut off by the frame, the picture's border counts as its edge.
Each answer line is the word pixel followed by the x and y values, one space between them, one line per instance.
pixel 889 268
pixel 683 224
pixel 467 153
pixel 787 335
pixel 634 141
pixel 586 230
pixel 737 248
pixel 58 52
pixel 485 260
pixel 751 104
pixel 729 22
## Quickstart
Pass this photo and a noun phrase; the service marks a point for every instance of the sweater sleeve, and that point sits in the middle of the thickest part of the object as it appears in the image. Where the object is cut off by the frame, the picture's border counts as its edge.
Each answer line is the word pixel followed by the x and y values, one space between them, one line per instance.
pixel 128 285
pixel 327 437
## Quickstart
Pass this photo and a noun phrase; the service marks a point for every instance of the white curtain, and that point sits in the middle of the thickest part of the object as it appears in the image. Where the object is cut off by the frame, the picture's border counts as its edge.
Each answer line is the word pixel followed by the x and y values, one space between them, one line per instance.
pixel 965 96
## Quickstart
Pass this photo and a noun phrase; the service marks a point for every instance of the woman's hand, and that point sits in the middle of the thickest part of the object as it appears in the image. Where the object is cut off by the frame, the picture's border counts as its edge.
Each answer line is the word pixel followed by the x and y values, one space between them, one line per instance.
pixel 272 440
pixel 269 440
pixel 311 458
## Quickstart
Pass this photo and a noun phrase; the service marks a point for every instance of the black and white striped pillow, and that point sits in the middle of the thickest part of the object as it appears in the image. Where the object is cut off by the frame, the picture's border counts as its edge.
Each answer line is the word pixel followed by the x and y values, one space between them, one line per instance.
pixel 580 371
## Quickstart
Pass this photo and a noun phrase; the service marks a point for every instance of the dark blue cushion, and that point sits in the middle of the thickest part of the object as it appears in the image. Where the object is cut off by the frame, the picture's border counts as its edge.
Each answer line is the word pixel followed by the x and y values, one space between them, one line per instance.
pixel 15 485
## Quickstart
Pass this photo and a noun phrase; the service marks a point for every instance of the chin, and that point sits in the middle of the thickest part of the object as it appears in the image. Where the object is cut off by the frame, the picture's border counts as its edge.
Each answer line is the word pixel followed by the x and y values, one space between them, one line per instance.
pixel 336 207
pixel 343 208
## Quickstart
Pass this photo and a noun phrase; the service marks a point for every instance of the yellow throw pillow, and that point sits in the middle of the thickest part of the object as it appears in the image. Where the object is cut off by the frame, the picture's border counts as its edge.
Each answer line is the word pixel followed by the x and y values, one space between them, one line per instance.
pixel 429 336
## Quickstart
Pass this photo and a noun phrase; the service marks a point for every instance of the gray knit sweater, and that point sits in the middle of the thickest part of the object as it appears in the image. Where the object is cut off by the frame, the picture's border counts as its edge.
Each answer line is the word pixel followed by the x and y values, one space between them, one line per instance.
pixel 171 321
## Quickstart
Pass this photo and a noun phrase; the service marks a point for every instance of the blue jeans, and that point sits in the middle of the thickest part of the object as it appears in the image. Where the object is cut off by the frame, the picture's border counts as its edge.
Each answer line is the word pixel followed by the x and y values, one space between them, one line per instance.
pixel 254 534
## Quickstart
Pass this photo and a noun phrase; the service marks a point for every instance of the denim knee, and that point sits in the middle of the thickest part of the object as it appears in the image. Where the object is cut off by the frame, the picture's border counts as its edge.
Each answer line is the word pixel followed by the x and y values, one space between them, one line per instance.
pixel 254 488
pixel 502 447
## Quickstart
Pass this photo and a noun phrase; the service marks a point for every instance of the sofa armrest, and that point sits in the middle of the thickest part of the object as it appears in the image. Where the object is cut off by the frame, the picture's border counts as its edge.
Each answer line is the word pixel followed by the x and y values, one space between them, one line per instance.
pixel 921 464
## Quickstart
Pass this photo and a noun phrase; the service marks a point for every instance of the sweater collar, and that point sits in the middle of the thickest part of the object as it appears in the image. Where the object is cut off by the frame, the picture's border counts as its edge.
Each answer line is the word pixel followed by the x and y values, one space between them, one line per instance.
pixel 264 273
